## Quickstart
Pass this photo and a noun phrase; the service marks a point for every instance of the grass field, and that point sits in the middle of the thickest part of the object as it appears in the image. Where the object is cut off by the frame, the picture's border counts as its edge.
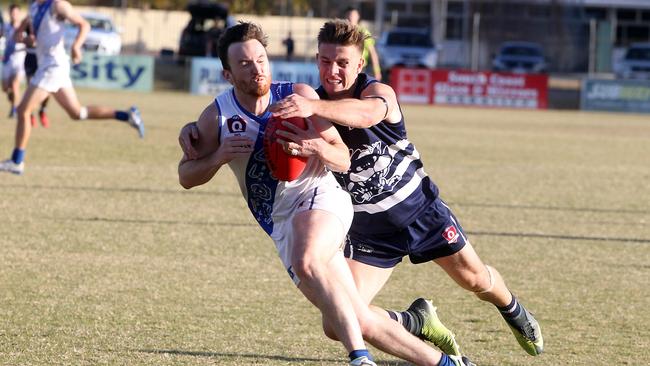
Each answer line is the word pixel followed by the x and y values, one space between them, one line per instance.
pixel 106 260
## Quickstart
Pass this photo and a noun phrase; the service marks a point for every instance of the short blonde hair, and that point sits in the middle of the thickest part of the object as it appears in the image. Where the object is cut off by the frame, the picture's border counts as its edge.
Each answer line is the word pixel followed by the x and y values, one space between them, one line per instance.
pixel 342 32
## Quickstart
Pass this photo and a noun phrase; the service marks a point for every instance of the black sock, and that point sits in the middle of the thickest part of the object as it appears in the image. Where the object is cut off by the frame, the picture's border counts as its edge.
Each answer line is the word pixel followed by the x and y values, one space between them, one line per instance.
pixel 511 310
pixel 122 115
pixel 410 320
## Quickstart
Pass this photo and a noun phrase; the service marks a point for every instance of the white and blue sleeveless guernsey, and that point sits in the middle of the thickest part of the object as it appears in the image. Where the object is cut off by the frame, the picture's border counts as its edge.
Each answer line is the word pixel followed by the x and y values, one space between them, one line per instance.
pixel 386 180
pixel 268 199
pixel 49 31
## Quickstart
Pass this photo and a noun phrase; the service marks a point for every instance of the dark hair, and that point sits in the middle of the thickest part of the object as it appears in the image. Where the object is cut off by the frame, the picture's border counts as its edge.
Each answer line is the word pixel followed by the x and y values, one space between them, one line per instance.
pixel 13 6
pixel 350 8
pixel 242 32
pixel 343 33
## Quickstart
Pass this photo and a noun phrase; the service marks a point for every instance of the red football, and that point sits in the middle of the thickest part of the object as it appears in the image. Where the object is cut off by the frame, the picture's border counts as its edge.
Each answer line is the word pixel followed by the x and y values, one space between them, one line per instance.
pixel 282 165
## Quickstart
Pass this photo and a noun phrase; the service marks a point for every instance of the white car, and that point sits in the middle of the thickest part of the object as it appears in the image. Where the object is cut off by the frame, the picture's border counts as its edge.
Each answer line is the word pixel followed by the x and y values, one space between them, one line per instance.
pixel 636 62
pixel 411 47
pixel 103 37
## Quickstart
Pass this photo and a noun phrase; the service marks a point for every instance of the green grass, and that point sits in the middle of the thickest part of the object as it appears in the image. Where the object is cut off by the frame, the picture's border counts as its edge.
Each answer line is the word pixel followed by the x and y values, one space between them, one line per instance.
pixel 106 260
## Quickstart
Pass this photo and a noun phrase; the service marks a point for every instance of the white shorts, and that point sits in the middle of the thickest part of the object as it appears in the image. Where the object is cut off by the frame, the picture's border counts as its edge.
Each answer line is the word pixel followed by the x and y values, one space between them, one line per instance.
pixel 14 67
pixel 52 78
pixel 330 198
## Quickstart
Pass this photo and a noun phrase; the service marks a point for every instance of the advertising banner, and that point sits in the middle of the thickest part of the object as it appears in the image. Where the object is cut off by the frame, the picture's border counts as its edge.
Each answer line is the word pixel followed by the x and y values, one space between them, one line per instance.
pixel 207 78
pixel 469 88
pixel 297 72
pixel 615 95
pixel 412 85
pixel 114 72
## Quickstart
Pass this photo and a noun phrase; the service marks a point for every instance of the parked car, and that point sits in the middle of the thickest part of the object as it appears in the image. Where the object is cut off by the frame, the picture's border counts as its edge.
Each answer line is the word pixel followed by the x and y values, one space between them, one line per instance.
pixel 103 38
pixel 520 57
pixel 207 21
pixel 636 62
pixel 407 47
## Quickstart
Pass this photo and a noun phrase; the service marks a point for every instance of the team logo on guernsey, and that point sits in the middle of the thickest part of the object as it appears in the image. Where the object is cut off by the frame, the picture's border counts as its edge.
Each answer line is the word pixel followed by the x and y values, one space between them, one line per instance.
pixel 372 172
pixel 450 234
pixel 236 124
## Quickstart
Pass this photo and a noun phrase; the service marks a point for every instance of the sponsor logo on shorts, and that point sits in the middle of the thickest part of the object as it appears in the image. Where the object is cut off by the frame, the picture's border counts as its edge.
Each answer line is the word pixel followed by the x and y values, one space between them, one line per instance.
pixel 364 248
pixel 236 124
pixel 450 234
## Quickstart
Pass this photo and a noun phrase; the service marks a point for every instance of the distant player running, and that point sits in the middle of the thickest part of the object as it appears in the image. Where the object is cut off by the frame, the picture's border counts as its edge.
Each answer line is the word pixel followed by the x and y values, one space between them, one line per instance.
pixel 47 18
pixel 12 60
pixel 31 64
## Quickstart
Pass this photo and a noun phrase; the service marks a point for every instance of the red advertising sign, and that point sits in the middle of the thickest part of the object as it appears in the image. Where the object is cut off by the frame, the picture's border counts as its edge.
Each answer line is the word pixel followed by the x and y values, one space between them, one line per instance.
pixel 412 85
pixel 459 87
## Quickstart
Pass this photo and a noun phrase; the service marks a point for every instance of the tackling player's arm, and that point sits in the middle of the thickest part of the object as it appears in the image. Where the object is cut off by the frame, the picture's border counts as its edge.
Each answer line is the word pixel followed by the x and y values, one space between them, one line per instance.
pixel 320 138
pixel 212 155
pixel 378 102
pixel 65 10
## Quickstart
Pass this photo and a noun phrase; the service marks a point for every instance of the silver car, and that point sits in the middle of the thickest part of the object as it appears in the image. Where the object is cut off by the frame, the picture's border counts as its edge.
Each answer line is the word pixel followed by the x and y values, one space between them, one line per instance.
pixel 636 62
pixel 103 38
pixel 407 47
pixel 520 57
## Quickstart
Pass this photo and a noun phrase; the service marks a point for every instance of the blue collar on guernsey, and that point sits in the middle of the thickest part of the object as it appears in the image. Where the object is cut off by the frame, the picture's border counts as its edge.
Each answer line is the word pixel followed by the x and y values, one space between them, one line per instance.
pixel 40 14
pixel 260 184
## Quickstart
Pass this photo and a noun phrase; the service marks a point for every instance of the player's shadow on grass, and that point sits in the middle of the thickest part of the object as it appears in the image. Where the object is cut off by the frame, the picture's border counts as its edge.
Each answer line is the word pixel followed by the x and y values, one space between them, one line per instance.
pixel 176 352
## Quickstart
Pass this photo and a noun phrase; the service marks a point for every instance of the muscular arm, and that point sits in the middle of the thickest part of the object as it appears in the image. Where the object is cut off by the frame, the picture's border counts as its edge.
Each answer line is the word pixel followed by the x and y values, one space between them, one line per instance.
pixel 351 112
pixel 320 139
pixel 211 154
pixel 65 10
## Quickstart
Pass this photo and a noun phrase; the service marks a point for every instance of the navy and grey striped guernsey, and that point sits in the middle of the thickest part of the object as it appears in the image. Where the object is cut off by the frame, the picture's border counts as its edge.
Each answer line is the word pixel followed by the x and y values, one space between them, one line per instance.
pixel 386 180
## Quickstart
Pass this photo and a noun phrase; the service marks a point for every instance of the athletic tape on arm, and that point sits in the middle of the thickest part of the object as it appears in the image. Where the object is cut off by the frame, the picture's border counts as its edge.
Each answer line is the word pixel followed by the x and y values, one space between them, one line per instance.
pixel 383 100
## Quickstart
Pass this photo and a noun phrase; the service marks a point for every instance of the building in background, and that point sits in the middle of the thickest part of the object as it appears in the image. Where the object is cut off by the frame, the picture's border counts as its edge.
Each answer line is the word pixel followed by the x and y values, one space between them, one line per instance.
pixel 577 35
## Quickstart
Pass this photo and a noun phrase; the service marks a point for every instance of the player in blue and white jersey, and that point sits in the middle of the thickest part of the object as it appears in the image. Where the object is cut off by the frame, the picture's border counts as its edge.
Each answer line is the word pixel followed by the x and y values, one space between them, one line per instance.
pixel 47 20
pixel 397 208
pixel 306 218
pixel 13 59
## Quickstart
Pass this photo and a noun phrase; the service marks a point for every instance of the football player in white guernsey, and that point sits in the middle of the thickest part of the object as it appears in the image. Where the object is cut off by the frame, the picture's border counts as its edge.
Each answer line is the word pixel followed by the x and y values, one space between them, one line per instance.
pixel 13 59
pixel 47 20
pixel 308 237
pixel 398 211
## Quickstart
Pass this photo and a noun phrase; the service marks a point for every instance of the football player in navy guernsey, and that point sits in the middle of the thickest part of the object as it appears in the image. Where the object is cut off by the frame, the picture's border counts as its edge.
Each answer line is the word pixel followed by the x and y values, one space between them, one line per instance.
pixel 308 237
pixel 397 207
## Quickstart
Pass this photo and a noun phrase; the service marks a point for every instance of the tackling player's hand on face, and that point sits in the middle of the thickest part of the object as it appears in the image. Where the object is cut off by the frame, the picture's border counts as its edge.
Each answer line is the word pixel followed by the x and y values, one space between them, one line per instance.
pixel 305 142
pixel 187 138
pixel 233 147
pixel 293 105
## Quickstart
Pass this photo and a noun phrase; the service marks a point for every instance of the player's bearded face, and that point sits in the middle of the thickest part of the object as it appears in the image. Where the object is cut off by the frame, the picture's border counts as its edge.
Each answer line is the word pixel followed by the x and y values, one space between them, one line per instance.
pixel 338 68
pixel 250 72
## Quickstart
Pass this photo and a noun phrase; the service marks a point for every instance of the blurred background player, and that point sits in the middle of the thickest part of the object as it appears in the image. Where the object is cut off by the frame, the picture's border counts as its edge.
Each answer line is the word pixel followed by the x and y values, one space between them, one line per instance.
pixel 47 19
pixel 31 65
pixel 289 44
pixel 13 59
pixel 369 51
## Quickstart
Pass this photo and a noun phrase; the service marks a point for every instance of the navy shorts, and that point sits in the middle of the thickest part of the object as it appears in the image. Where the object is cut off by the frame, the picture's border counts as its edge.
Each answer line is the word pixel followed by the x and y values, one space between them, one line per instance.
pixel 30 64
pixel 435 233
